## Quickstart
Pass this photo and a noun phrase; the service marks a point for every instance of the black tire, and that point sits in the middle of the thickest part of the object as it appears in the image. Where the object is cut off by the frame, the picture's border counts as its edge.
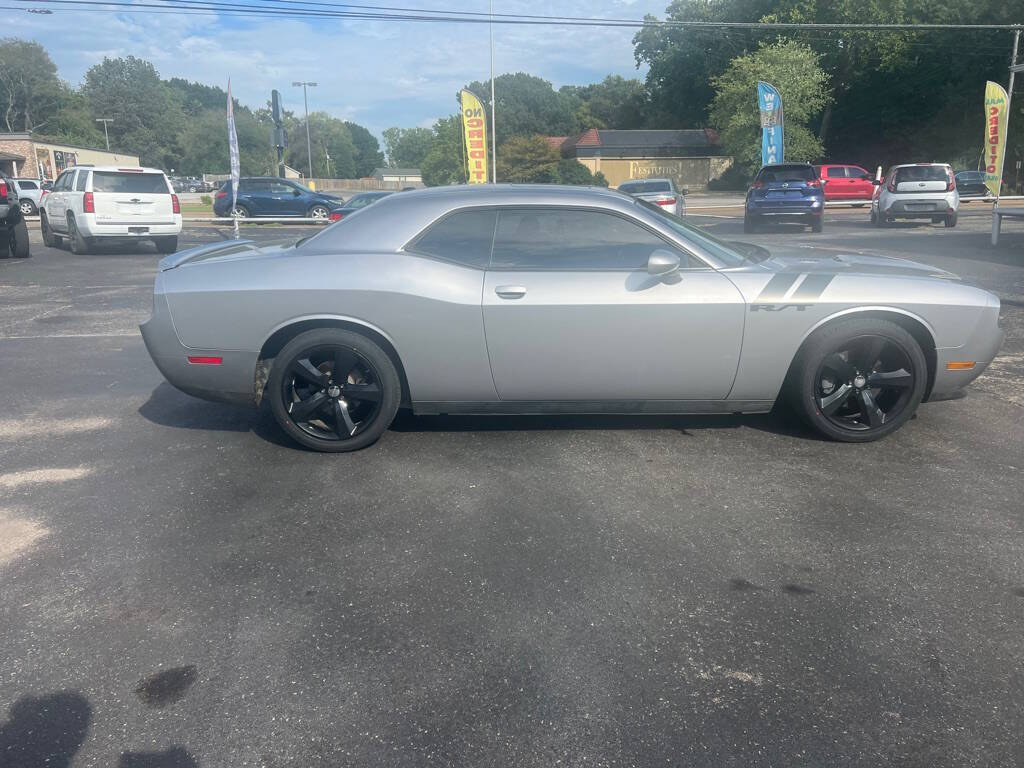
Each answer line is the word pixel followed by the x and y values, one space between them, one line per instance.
pixel 318 212
pixel 50 240
pixel 817 223
pixel 191 189
pixel 874 219
pixel 302 375
pixel 239 212
pixel 167 244
pixel 79 244
pixel 950 221
pixel 749 225
pixel 823 384
pixel 937 219
pixel 19 241
pixel 28 208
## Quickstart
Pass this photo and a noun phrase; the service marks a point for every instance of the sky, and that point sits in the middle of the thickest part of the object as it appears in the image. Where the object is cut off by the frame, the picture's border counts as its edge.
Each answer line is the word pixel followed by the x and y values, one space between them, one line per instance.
pixel 375 73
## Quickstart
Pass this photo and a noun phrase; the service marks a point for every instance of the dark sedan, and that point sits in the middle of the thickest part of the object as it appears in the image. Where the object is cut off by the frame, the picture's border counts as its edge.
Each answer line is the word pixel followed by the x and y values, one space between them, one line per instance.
pixel 789 192
pixel 270 196
pixel 971 184
pixel 357 202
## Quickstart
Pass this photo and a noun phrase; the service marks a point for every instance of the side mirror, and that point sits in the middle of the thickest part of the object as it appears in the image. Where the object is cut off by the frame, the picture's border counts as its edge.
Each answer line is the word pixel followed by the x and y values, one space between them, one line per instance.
pixel 662 263
pixel 684 191
pixel 296 193
pixel 877 182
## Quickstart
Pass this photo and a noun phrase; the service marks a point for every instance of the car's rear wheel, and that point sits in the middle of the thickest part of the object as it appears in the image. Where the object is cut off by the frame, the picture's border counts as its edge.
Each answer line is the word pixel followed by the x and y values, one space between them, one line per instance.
pixel 950 221
pixel 749 225
pixel 166 244
pixel 50 240
pixel 19 241
pixel 77 242
pixel 333 390
pixel 239 212
pixel 858 380
pixel 817 223
pixel 318 212
pixel 28 208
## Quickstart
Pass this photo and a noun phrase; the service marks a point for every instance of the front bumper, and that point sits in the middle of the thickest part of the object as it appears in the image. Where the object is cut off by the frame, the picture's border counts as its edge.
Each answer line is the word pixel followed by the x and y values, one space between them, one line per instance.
pixel 233 381
pixel 981 348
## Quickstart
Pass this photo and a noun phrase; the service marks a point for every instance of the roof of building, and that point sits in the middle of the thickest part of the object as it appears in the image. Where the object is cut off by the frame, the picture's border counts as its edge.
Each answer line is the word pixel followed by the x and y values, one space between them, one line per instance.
pixel 638 141
pixel 11 156
pixel 396 172
pixel 38 139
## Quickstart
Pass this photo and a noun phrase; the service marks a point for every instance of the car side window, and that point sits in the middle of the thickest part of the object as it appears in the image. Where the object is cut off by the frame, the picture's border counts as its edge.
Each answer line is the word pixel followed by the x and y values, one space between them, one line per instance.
pixel 464 237
pixel 28 185
pixel 836 172
pixel 546 239
pixel 58 185
pixel 83 177
pixel 280 188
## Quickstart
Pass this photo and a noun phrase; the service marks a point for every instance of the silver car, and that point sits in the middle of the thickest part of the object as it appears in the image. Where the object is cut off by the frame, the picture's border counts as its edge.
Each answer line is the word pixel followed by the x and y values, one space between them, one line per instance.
pixel 918 191
pixel 661 192
pixel 544 299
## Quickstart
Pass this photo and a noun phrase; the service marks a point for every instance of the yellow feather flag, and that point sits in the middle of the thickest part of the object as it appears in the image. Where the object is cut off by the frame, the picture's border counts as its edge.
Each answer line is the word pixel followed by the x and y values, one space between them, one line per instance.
pixel 474 126
pixel 996 110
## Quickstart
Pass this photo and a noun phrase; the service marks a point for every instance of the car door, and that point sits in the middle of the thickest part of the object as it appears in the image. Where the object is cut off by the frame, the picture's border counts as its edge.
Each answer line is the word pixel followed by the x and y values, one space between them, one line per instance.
pixel 836 183
pixel 56 203
pixel 289 200
pixel 860 185
pixel 570 312
pixel 255 195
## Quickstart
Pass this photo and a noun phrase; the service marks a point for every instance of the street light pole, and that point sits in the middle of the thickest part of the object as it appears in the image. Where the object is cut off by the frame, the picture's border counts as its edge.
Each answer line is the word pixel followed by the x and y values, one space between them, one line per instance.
pixel 106 136
pixel 305 101
pixel 494 128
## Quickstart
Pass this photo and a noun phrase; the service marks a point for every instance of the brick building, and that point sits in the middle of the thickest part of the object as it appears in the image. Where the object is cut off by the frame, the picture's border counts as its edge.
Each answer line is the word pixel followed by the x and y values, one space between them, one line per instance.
pixel 32 157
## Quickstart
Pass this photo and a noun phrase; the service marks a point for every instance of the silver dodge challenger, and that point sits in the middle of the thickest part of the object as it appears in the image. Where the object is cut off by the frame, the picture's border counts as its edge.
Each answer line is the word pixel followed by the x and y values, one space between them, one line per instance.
pixel 508 299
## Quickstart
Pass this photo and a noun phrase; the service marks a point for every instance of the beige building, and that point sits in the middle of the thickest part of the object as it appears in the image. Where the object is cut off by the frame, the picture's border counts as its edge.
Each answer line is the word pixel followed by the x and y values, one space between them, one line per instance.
pixel 24 155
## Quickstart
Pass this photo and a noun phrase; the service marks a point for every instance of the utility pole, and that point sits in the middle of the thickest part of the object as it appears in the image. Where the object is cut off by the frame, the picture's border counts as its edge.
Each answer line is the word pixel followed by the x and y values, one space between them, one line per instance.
pixel 106 120
pixel 1009 103
pixel 280 141
pixel 305 101
pixel 494 129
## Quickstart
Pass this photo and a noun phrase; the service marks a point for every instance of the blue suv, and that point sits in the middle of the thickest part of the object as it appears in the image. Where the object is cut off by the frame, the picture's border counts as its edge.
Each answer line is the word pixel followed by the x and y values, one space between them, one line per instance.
pixel 271 196
pixel 788 192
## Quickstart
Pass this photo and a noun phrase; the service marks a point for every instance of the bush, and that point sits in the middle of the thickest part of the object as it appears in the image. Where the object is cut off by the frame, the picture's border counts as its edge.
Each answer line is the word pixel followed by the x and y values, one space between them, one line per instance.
pixel 206 200
pixel 734 178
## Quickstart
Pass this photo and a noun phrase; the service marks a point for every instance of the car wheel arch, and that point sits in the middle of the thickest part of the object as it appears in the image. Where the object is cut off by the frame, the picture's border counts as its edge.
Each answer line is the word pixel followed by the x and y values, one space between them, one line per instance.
pixel 288 331
pixel 913 324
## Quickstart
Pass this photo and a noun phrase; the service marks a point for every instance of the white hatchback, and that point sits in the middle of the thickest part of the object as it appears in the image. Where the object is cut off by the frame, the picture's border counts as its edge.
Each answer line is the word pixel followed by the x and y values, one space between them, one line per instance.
pixel 919 191
pixel 90 203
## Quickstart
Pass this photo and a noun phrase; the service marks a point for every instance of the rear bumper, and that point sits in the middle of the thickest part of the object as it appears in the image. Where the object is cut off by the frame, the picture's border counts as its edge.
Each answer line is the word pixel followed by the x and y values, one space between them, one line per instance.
pixel 919 208
pixel 784 208
pixel 233 381
pixel 89 227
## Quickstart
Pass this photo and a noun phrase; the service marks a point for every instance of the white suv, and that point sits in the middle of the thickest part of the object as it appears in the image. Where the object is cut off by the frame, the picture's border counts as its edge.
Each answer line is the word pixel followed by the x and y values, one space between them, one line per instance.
pixel 919 191
pixel 90 203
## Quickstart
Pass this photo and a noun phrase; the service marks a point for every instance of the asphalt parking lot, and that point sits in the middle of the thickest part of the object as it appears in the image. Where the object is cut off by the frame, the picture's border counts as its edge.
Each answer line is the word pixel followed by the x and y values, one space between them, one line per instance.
pixel 180 586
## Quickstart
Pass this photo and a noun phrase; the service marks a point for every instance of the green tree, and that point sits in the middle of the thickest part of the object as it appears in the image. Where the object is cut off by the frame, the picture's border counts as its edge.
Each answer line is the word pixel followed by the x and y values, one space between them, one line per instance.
pixel 528 105
pixel 572 171
pixel 792 68
pixel 328 137
pixel 147 114
pixel 615 102
pixel 204 145
pixel 407 147
pixel 445 163
pixel 30 91
pixel 528 159
pixel 368 155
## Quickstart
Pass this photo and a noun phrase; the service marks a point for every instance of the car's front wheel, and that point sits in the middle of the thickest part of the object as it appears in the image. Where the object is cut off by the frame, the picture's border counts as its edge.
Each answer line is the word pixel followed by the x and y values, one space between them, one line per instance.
pixel 858 380
pixel 318 212
pixel 333 390
pixel 50 240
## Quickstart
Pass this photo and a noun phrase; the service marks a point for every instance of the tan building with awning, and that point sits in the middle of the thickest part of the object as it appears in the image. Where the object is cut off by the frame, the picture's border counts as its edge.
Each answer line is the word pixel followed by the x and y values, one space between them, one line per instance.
pixel 27 156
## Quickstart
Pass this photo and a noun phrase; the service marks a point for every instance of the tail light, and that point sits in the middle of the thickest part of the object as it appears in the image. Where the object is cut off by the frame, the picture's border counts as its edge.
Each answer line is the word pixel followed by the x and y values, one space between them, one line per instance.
pixel 951 185
pixel 758 185
pixel 814 183
pixel 335 216
pixel 891 186
pixel 175 205
pixel 221 195
pixel 88 203
pixel 669 201
pixel 3 190
pixel 43 194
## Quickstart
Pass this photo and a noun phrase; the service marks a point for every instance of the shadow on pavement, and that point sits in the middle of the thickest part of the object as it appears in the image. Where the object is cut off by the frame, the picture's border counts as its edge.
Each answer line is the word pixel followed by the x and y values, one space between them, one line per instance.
pixel 44 730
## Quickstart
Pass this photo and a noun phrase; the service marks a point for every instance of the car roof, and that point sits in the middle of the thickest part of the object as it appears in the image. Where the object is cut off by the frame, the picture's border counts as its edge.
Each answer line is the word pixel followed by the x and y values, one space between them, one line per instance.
pixel 917 165
pixel 644 181
pixel 116 168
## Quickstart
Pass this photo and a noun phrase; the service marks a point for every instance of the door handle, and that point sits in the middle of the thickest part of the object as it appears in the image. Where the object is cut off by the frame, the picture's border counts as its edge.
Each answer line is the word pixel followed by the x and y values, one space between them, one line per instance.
pixel 510 291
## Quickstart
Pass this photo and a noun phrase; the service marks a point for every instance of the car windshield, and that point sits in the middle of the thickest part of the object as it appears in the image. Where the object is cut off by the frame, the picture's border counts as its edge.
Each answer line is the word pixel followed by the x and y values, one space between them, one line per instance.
pixel 361 201
pixel 787 173
pixel 129 183
pixel 721 250
pixel 644 187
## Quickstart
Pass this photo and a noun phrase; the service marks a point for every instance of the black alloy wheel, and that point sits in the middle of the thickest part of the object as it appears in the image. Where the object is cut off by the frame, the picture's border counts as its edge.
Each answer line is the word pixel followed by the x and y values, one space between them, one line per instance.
pixel 859 379
pixel 333 390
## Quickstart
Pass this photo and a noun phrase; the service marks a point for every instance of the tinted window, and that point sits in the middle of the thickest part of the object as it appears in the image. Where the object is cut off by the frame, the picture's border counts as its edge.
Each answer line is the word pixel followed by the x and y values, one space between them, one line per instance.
pixel 61 182
pixel 129 183
pixel 568 239
pixel 361 201
pixel 921 173
pixel 462 237
pixel 83 177
pixel 645 187
pixel 836 173
pixel 280 188
pixel 28 185
pixel 786 173
pixel 249 186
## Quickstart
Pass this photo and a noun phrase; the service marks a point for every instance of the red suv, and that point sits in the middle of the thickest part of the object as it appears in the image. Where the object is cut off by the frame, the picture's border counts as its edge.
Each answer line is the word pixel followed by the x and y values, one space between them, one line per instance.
pixel 845 182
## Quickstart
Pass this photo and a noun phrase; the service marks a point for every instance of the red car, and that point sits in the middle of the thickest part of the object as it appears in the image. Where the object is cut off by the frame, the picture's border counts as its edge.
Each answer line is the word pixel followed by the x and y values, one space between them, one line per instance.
pixel 845 182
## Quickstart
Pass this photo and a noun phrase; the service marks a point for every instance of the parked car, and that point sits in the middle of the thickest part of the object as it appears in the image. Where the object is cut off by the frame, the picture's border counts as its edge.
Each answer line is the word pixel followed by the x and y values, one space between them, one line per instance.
pixel 658 191
pixel 190 184
pixel 519 299
pixel 918 191
pixel 846 182
pixel 107 202
pixel 972 184
pixel 271 196
pixel 29 192
pixel 789 192
pixel 357 202
pixel 13 230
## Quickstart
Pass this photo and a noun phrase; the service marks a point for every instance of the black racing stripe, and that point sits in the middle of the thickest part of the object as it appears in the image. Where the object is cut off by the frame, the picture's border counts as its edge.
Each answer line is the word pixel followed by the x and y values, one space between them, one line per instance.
pixel 811 288
pixel 776 288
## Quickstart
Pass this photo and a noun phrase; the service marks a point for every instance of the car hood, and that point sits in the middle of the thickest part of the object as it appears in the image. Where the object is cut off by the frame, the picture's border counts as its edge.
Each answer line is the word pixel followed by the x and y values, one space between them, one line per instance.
pixel 855 264
pixel 228 250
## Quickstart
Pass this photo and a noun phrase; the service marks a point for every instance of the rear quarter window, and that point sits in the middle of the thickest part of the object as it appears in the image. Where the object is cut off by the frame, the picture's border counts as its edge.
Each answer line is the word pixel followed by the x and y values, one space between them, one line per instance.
pixel 129 183
pixel 464 237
